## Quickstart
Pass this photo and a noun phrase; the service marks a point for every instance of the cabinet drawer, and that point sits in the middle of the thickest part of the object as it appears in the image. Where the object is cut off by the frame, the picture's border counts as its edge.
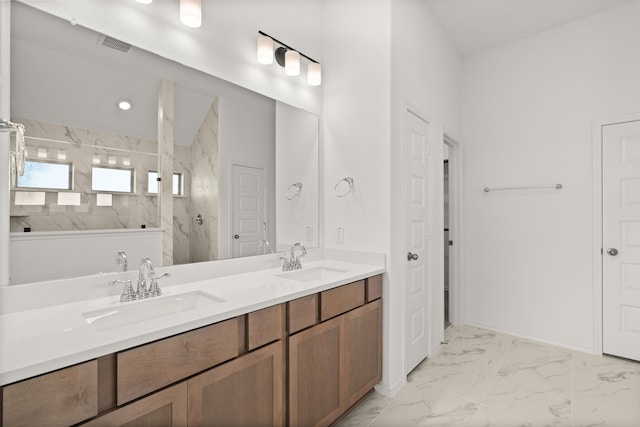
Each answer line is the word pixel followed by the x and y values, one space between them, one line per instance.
pixel 60 398
pixel 303 312
pixel 374 288
pixel 341 299
pixel 149 367
pixel 265 326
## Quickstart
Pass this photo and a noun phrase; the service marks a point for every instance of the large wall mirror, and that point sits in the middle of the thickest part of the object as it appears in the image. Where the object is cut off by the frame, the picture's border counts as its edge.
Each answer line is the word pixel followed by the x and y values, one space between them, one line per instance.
pixel 244 170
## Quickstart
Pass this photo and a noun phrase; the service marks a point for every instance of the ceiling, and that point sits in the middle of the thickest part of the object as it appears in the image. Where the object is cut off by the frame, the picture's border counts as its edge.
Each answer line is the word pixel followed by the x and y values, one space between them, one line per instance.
pixel 478 25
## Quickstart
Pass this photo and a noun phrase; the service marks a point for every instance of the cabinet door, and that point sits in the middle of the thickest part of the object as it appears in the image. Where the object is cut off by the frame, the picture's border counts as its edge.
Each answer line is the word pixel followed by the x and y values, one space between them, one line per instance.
pixel 59 398
pixel 314 374
pixel 362 351
pixel 166 408
pixel 247 391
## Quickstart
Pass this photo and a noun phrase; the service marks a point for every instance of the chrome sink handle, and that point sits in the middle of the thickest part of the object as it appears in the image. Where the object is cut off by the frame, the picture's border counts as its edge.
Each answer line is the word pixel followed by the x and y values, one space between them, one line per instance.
pixel 286 263
pixel 128 294
pixel 154 288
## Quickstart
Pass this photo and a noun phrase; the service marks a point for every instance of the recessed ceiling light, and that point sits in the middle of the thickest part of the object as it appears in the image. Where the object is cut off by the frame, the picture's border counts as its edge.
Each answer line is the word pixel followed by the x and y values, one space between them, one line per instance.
pixel 124 105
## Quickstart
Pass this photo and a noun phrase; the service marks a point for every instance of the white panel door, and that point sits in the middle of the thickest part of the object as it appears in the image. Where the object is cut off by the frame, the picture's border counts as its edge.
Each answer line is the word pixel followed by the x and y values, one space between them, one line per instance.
pixel 248 213
pixel 417 149
pixel 621 239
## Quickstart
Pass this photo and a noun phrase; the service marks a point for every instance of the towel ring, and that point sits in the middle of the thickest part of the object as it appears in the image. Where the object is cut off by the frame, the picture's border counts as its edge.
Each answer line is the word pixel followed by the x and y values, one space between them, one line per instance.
pixel 345 191
pixel 292 194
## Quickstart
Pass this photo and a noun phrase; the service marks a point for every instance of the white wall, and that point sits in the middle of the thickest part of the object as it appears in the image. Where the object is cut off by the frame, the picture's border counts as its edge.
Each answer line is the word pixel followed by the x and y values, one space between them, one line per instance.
pixel 528 110
pixel 355 136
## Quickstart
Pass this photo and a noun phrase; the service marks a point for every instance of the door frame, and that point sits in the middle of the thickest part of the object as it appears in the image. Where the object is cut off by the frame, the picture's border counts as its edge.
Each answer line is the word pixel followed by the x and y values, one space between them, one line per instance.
pixel 597 245
pixel 456 288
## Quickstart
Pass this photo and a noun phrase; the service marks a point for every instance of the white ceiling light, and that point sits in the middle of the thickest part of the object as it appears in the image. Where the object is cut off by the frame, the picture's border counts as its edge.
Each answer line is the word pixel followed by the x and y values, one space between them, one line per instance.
pixel 265 50
pixel 124 105
pixel 191 13
pixel 144 1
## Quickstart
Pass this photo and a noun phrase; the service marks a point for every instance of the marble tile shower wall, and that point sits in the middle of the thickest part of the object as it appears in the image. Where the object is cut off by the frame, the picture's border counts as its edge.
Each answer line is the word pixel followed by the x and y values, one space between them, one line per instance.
pixel 204 188
pixel 80 146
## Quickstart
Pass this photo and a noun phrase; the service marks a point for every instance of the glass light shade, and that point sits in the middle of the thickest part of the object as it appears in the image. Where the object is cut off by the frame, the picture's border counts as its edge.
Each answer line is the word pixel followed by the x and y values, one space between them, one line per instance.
pixel 292 63
pixel 191 13
pixel 265 50
pixel 314 74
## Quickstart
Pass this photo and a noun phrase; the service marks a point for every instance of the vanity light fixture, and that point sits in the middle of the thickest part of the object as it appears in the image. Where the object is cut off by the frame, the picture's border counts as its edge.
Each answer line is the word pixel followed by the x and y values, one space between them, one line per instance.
pixel 287 57
pixel 124 105
pixel 191 13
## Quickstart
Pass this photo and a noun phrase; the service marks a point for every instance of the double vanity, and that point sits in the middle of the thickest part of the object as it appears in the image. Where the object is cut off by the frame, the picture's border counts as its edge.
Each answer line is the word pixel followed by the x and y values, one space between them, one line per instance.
pixel 265 347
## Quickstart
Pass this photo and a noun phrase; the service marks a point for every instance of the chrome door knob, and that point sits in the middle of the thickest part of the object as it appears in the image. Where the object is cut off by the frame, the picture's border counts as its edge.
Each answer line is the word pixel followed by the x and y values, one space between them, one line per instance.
pixel 236 236
pixel 411 257
pixel 612 251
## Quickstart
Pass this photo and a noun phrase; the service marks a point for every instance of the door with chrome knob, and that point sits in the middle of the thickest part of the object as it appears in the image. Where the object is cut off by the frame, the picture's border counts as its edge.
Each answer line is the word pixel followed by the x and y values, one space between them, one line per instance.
pixel 411 257
pixel 612 251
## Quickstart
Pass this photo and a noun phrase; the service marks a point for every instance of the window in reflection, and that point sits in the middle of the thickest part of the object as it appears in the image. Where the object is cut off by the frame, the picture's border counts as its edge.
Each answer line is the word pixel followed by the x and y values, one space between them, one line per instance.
pixel 111 179
pixel 45 174
pixel 152 183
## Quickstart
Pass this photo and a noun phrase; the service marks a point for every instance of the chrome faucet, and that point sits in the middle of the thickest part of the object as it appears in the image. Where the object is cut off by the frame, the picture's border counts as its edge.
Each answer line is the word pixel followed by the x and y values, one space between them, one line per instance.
pixel 295 261
pixel 146 266
pixel 121 259
pixel 264 248
pixel 146 273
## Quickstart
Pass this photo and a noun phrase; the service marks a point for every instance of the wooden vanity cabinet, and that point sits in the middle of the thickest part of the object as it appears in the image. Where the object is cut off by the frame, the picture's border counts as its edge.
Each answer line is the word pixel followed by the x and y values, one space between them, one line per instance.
pixel 248 391
pixel 167 408
pixel 315 368
pixel 335 363
pixel 59 398
pixel 150 367
pixel 326 347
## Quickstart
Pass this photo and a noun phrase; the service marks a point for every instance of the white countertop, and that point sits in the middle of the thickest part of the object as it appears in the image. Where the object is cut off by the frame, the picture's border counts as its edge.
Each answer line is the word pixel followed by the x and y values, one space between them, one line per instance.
pixel 41 340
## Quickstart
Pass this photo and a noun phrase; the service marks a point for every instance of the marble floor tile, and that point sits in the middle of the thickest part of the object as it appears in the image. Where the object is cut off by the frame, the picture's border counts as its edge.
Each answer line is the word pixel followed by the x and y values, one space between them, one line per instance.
pixel 541 405
pixel 367 411
pixel 481 378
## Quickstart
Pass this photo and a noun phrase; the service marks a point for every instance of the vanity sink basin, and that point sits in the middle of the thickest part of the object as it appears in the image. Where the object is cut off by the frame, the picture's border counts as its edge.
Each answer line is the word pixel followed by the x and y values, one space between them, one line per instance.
pixel 310 274
pixel 128 314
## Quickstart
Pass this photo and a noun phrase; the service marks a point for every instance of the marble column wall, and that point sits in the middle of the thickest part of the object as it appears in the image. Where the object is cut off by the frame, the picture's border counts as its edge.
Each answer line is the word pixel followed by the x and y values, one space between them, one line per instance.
pixel 204 188
pixel 165 167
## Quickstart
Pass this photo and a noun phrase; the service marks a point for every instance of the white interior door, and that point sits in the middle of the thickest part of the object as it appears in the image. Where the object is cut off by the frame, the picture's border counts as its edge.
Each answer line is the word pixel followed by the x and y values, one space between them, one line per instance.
pixel 248 213
pixel 417 152
pixel 621 239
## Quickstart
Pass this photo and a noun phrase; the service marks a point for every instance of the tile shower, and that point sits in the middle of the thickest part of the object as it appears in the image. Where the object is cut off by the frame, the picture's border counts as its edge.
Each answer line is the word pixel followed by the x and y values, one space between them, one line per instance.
pixel 85 148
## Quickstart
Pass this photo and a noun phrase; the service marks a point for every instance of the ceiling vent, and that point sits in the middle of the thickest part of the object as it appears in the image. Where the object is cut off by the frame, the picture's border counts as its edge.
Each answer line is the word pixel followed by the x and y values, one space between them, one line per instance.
pixel 114 44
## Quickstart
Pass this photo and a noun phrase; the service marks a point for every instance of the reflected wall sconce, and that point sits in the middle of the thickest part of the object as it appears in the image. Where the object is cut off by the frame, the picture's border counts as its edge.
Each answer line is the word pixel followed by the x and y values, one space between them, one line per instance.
pixel 287 57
